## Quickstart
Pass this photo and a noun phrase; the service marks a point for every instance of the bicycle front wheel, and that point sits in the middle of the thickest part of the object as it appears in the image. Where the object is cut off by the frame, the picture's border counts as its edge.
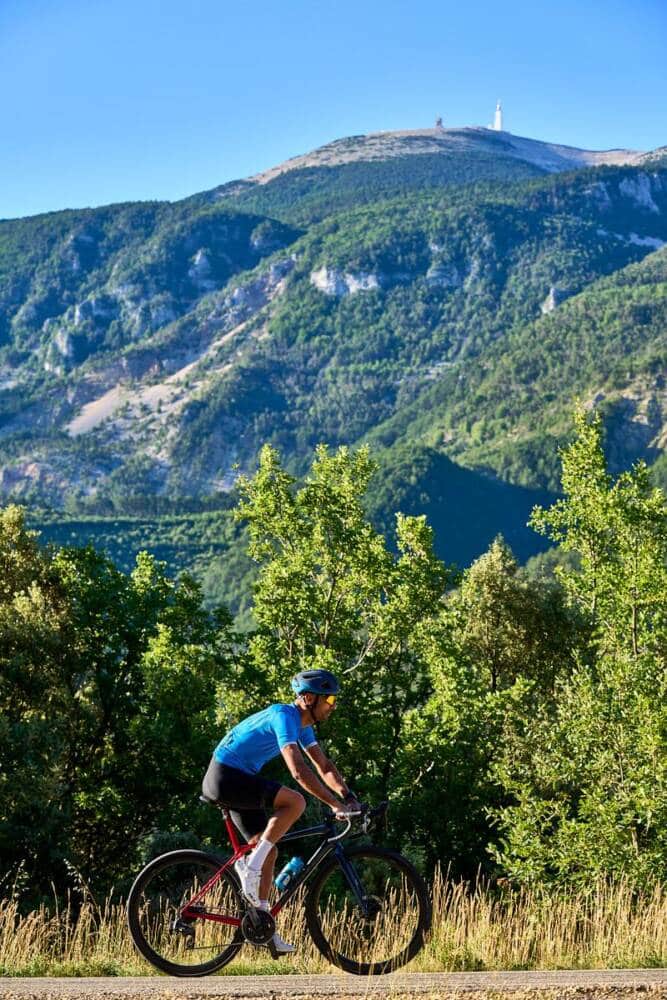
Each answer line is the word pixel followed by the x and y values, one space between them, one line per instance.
pixel 370 920
pixel 175 938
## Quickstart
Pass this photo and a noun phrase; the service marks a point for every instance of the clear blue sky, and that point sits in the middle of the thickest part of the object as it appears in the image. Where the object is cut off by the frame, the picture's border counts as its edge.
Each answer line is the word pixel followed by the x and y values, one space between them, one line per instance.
pixel 113 100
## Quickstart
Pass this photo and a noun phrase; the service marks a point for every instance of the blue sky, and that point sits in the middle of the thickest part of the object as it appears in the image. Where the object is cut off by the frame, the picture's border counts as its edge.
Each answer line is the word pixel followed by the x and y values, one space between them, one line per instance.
pixel 112 101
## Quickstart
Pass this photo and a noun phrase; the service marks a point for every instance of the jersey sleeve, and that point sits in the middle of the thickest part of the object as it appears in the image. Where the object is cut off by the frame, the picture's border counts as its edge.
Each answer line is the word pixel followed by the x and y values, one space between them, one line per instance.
pixel 285 726
pixel 307 737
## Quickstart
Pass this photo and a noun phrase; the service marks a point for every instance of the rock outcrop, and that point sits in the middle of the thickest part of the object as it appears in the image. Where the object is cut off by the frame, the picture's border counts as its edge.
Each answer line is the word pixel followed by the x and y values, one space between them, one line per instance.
pixel 444 274
pixel 339 283
pixel 554 299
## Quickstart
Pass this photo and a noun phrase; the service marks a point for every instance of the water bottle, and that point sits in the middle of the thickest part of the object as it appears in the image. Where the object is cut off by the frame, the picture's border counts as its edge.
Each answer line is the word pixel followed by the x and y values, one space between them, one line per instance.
pixel 291 870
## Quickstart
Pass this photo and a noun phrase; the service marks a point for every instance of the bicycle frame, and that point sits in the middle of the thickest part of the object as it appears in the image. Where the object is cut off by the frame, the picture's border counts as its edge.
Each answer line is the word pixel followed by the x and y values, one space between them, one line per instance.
pixel 329 845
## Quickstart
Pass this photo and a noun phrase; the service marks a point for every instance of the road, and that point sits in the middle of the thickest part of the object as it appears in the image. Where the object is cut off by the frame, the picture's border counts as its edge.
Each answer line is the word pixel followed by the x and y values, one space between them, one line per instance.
pixel 633 984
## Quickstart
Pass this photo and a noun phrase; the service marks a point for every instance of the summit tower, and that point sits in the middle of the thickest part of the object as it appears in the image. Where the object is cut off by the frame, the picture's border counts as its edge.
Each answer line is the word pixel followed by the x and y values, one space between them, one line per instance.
pixel 498 118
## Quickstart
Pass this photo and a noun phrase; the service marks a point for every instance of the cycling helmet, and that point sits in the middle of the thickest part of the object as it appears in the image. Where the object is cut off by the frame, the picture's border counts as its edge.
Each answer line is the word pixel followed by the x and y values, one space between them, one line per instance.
pixel 315 682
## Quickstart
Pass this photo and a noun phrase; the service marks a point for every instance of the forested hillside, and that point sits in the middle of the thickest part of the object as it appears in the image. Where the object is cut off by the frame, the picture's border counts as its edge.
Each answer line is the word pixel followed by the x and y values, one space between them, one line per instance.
pixel 467 510
pixel 606 345
pixel 443 295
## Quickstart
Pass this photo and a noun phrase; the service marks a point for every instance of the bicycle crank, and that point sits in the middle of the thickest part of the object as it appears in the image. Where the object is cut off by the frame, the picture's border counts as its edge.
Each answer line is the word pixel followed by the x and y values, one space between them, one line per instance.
pixel 258 927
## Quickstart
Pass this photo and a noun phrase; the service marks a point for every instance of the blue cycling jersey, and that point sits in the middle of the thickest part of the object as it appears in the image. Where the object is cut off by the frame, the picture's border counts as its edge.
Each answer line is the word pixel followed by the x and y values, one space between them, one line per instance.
pixel 262 736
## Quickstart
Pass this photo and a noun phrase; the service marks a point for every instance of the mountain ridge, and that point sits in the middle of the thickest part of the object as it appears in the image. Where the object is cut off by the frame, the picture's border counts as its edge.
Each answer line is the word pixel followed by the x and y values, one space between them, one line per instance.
pixel 384 144
pixel 148 349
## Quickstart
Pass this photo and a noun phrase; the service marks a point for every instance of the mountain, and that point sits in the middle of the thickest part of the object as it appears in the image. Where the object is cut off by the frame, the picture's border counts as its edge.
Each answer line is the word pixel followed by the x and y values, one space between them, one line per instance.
pixel 450 142
pixel 363 168
pixel 509 408
pixel 441 294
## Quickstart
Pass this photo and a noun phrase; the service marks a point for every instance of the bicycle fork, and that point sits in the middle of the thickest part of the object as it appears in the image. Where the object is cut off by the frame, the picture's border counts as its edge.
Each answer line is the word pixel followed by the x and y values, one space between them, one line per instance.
pixel 354 882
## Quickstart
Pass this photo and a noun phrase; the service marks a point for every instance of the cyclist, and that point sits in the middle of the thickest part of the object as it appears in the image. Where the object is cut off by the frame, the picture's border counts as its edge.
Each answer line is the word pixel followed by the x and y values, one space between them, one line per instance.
pixel 233 778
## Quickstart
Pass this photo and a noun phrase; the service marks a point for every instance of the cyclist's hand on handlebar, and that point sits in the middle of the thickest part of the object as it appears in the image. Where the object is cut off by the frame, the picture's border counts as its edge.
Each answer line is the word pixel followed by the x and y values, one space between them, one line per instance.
pixel 346 810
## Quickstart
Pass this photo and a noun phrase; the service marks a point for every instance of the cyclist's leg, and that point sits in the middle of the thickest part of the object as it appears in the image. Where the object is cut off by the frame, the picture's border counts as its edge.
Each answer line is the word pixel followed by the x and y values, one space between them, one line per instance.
pixel 242 792
pixel 251 824
pixel 255 797
pixel 288 806
pixel 285 806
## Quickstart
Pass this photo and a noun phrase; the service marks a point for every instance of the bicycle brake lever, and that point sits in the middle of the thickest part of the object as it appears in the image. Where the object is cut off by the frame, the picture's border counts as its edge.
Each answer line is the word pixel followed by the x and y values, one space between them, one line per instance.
pixel 373 815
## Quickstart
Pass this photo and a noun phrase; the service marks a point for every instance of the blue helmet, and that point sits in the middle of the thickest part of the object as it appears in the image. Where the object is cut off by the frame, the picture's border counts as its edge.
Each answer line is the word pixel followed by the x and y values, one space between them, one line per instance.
pixel 315 682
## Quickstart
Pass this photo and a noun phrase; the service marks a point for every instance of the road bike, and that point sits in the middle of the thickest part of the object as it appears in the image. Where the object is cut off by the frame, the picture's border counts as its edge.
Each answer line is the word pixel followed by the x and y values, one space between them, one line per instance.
pixel 366 907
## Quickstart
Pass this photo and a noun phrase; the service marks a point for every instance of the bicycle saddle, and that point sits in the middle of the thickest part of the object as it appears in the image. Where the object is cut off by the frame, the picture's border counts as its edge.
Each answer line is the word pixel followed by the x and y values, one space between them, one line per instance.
pixel 209 802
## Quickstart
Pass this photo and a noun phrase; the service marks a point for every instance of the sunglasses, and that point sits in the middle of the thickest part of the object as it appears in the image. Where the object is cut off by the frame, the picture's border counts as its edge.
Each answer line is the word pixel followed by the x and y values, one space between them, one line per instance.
pixel 330 699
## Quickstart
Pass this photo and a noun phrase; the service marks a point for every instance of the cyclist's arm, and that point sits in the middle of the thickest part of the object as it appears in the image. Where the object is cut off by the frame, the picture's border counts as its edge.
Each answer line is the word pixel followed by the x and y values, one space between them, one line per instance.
pixel 303 774
pixel 327 770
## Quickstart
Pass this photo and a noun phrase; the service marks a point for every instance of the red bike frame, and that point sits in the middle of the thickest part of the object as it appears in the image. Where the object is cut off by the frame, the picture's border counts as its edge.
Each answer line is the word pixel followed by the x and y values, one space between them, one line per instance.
pixel 329 843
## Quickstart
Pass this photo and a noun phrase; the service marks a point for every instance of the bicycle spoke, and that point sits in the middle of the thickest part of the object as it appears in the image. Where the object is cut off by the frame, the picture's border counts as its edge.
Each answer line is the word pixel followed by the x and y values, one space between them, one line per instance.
pixel 173 937
pixel 381 930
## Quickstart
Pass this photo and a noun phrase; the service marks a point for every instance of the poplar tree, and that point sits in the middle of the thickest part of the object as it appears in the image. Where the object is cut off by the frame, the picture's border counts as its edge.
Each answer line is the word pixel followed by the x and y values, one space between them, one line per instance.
pixel 587 771
pixel 499 643
pixel 331 594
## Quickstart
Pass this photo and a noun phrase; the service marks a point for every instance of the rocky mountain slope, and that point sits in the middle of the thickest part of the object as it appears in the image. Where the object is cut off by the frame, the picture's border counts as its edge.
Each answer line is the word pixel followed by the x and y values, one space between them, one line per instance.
pixel 451 142
pixel 360 169
pixel 448 290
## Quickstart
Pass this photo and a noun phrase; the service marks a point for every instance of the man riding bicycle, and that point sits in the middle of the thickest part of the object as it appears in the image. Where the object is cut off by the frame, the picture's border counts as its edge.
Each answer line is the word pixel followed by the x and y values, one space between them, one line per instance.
pixel 232 778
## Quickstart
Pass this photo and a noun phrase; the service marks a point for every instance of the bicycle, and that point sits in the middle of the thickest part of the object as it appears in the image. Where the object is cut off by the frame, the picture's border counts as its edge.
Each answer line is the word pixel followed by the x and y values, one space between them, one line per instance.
pixel 367 908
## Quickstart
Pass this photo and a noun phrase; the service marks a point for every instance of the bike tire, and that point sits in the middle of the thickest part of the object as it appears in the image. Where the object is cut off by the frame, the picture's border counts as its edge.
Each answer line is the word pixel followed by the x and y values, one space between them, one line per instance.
pixel 345 936
pixel 146 924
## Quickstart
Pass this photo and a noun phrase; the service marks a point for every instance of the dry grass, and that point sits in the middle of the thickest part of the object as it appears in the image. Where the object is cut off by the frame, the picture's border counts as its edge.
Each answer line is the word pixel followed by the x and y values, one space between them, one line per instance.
pixel 608 927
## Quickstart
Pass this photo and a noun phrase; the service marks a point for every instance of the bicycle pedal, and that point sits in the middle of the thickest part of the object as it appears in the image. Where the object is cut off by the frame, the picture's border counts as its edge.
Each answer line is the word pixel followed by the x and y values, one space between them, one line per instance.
pixel 273 951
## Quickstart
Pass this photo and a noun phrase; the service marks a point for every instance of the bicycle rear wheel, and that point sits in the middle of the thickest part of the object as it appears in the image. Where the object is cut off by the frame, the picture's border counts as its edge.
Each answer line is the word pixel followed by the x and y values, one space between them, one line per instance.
pixel 175 940
pixel 397 913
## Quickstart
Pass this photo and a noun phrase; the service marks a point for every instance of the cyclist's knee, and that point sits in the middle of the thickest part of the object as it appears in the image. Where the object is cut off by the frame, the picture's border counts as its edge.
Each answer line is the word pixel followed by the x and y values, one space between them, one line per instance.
pixel 287 798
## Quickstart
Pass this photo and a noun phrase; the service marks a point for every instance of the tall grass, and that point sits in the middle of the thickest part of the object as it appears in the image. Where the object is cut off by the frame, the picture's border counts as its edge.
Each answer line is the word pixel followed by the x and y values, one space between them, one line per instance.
pixel 610 926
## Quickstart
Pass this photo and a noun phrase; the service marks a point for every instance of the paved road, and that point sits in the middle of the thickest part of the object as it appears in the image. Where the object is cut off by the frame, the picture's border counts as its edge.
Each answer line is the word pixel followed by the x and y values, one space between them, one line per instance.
pixel 650 984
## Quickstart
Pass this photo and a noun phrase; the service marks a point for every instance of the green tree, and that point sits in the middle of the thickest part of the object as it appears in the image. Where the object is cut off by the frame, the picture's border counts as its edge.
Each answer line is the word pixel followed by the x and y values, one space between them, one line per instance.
pixel 618 531
pixel 587 769
pixel 499 640
pixel 511 627
pixel 331 594
pixel 107 703
pixel 32 694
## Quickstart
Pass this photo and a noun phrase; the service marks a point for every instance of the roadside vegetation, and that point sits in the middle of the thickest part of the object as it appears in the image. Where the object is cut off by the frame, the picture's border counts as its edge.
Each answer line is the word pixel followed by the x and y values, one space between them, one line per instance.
pixel 516 722
pixel 479 928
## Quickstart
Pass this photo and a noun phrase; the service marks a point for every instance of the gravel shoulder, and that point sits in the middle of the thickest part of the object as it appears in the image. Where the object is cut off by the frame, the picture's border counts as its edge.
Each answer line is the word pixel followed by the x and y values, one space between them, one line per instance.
pixel 632 984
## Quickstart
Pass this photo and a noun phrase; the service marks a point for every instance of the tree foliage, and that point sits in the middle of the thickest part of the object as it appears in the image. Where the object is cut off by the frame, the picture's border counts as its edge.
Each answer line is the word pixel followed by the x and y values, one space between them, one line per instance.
pixel 587 769
pixel 330 593
pixel 517 721
pixel 107 685
pixel 497 637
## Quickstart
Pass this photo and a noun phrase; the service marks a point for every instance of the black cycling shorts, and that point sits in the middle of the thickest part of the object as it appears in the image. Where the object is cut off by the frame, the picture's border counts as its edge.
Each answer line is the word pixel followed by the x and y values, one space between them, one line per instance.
pixel 249 797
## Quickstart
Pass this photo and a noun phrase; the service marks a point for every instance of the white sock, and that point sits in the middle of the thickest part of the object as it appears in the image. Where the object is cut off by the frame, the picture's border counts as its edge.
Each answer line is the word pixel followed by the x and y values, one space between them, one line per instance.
pixel 264 905
pixel 257 857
